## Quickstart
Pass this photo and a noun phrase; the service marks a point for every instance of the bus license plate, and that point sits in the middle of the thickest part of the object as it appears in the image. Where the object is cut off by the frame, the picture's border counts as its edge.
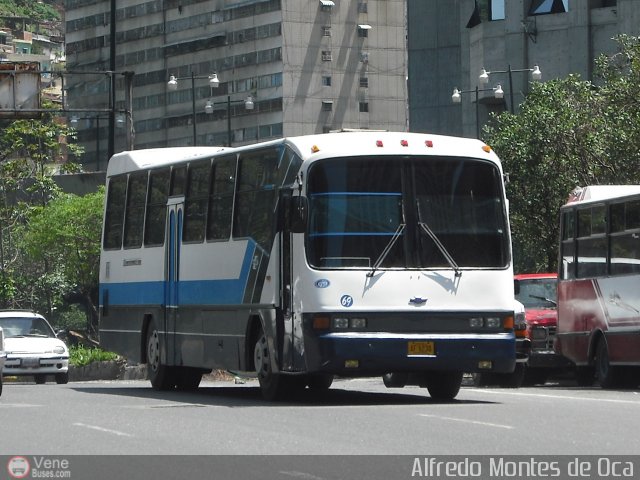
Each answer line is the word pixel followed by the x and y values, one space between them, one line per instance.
pixel 422 348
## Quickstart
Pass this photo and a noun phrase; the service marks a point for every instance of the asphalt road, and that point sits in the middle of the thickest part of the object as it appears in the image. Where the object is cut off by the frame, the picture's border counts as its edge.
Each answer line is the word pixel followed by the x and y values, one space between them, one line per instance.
pixel 355 417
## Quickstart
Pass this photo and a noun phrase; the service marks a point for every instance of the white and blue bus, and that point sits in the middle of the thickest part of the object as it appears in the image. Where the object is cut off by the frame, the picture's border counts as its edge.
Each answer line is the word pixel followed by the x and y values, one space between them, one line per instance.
pixel 348 253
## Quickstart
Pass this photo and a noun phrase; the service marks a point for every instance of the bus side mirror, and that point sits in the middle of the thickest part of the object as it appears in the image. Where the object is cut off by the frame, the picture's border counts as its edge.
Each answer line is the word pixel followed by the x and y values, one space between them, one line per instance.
pixel 299 214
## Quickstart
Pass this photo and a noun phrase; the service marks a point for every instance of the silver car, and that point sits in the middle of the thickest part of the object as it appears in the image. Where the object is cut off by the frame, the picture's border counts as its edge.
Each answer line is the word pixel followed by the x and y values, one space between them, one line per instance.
pixel 32 347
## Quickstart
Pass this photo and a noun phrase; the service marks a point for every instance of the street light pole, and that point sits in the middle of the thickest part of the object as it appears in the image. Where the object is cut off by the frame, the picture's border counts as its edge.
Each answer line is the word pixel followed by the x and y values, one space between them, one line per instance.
pixel 536 74
pixel 456 98
pixel 193 108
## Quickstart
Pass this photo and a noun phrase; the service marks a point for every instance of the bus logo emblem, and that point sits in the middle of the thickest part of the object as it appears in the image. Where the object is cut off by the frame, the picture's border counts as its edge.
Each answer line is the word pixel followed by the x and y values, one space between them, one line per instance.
pixel 322 283
pixel 346 301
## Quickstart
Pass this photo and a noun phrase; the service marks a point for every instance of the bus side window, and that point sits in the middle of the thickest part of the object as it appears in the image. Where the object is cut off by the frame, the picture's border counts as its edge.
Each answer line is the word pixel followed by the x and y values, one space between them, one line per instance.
pixel 256 196
pixel 155 218
pixel 114 216
pixel 568 246
pixel 178 181
pixel 134 213
pixel 195 205
pixel 221 199
pixel 625 238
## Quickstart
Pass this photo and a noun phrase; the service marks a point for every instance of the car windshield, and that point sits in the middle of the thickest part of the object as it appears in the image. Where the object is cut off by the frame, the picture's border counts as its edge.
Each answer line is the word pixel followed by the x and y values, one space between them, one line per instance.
pixel 537 293
pixel 26 327
pixel 406 212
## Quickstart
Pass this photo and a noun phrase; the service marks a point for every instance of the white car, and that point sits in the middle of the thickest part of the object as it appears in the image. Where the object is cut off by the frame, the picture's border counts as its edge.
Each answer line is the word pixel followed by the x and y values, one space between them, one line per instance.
pixel 32 347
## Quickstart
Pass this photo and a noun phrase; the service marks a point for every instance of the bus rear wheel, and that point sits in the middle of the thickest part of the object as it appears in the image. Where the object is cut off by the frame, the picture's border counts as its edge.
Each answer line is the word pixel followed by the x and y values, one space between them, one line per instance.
pixel 608 376
pixel 443 386
pixel 160 375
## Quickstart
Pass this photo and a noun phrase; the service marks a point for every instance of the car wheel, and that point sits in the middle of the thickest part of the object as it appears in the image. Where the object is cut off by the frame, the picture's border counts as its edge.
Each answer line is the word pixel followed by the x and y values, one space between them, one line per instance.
pixel 62 378
pixel 160 375
pixel 40 379
pixel 444 386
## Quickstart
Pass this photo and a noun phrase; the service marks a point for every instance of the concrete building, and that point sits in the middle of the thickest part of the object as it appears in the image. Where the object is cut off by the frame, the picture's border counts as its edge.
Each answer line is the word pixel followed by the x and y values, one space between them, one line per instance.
pixel 451 41
pixel 309 66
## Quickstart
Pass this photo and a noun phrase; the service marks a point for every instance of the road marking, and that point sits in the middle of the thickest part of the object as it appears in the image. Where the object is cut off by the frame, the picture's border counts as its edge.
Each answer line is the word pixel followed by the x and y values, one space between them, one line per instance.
pixel 558 397
pixel 19 405
pixel 475 422
pixel 303 475
pixel 105 430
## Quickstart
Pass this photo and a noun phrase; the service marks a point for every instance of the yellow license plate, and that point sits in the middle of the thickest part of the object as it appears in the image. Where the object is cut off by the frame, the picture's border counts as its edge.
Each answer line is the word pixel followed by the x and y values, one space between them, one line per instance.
pixel 422 348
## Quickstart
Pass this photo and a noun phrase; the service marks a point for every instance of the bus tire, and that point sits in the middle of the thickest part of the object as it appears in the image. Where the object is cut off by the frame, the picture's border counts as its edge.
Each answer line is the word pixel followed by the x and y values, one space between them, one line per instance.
pixel 585 376
pixel 187 378
pixel 274 386
pixel 319 381
pixel 444 386
pixel 607 375
pixel 395 380
pixel 161 376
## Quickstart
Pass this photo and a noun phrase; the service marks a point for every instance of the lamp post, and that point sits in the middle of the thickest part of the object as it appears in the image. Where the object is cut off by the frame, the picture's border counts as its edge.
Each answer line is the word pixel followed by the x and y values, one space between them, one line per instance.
pixel 172 84
pixel 248 105
pixel 456 97
pixel 214 82
pixel 536 74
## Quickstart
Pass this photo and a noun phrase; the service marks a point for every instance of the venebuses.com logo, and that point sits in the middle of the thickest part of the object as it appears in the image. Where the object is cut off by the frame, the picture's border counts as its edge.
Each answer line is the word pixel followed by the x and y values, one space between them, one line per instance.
pixel 18 467
pixel 38 467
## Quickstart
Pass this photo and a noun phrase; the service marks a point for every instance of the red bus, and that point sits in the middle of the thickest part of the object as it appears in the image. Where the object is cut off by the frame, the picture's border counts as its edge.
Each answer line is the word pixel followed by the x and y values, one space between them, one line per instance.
pixel 599 284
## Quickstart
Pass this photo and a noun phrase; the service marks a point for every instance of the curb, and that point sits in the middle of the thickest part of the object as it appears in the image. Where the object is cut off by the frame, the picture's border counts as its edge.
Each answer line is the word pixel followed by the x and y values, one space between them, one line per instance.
pixel 107 370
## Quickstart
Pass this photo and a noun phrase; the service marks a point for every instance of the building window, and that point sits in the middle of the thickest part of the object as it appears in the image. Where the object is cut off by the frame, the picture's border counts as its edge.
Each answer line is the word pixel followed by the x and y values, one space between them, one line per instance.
pixel 364 57
pixel 363 30
pixel 327 105
pixel 362 7
pixel 326 5
pixel 326 31
pixel 326 80
pixel 364 82
pixel 487 10
pixel 326 55
pixel 544 7
pixel 364 107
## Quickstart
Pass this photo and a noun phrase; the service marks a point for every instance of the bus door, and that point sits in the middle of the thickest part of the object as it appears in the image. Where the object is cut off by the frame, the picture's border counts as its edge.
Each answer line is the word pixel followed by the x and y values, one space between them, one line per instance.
pixel 293 217
pixel 175 212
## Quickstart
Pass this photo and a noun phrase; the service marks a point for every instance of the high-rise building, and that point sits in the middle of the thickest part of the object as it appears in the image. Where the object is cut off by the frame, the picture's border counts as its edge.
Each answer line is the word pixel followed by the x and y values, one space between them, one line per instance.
pixel 452 41
pixel 304 66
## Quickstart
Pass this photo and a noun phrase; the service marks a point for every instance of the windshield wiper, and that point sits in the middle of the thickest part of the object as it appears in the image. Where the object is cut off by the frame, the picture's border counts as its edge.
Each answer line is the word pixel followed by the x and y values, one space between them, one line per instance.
pixel 387 249
pixel 441 247
pixel 540 297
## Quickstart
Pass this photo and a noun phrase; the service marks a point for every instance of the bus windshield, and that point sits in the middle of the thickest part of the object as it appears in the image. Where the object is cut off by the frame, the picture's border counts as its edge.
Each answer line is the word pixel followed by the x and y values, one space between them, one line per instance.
pixel 358 206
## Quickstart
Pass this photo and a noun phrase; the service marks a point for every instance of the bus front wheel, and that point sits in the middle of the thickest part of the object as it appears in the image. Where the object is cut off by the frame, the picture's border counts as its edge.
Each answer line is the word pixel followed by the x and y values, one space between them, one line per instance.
pixel 160 375
pixel 272 385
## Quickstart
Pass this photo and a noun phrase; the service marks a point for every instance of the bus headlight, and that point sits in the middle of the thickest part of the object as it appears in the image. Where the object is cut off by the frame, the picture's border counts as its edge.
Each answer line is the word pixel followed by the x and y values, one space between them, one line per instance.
pixel 358 323
pixel 476 322
pixel 493 322
pixel 340 323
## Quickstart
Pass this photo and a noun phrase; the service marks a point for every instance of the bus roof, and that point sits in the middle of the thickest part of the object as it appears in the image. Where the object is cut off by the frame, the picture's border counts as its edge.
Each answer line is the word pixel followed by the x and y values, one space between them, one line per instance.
pixel 599 193
pixel 314 147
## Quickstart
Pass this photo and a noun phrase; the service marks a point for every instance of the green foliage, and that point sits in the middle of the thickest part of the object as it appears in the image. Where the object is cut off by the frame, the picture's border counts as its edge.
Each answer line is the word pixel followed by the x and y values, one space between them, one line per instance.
pixel 41 10
pixel 568 133
pixel 81 356
pixel 69 317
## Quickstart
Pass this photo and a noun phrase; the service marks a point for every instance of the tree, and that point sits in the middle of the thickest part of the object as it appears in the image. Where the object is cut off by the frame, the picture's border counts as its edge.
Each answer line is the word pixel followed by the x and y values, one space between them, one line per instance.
pixel 62 242
pixel 568 133
pixel 30 151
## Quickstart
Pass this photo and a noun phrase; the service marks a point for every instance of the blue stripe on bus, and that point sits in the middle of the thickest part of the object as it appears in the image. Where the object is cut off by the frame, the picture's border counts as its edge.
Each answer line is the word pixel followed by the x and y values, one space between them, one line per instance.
pixel 190 292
